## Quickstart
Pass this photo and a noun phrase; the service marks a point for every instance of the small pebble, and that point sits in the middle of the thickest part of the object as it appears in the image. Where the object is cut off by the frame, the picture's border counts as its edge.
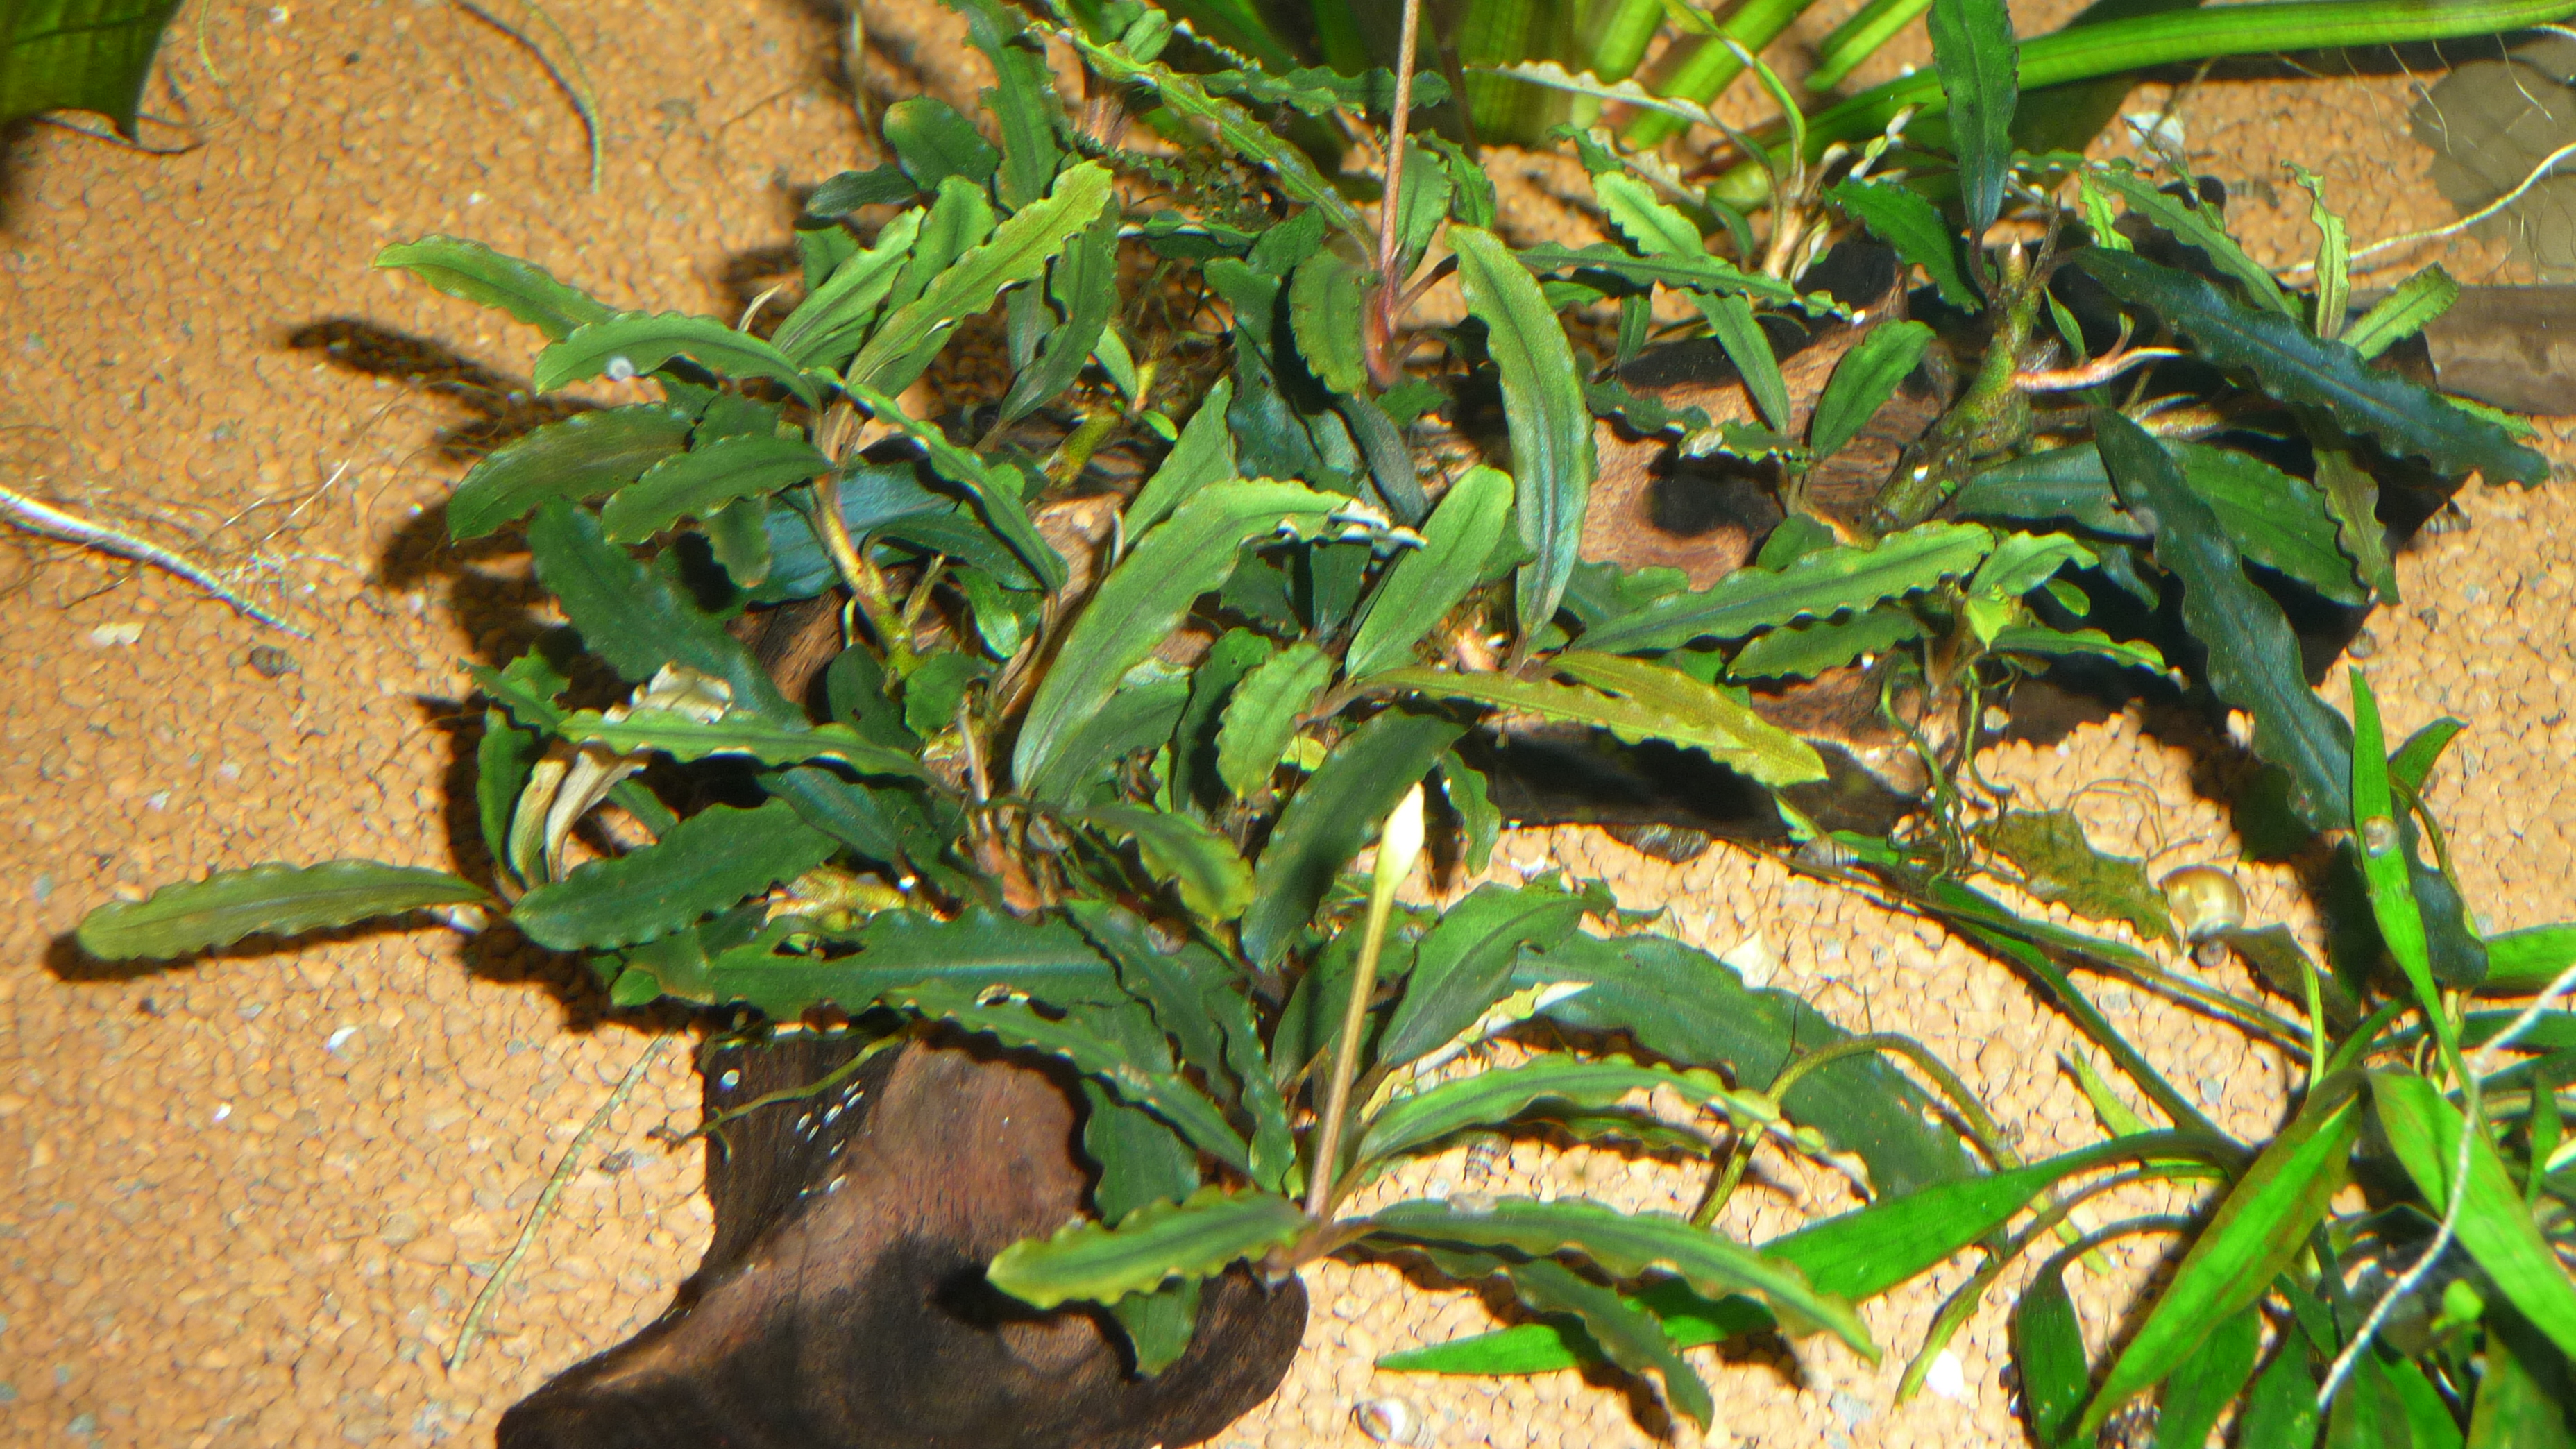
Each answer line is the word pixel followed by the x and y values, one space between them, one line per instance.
pixel 1947 1379
pixel 43 886
pixel 114 636
pixel 270 662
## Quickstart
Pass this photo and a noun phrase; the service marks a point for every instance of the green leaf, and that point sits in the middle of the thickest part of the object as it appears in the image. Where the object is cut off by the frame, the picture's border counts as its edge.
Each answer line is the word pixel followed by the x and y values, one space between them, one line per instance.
pixel 1900 216
pixel 1473 802
pixel 707 862
pixel 1013 1023
pixel 636 343
pixel 629 617
pixel 696 483
pixel 2407 310
pixel 1816 585
pixel 1335 813
pixel 2202 227
pixel 896 950
pixel 1263 713
pixel 1656 227
pixel 2522 1396
pixel 2494 1223
pixel 1326 299
pixel 577 458
pixel 933 142
pixel 503 760
pixel 1627 1245
pixel 1017 252
pixel 1215 883
pixel 1137 717
pixel 2260 1226
pixel 1700 273
pixel 2282 1408
pixel 2048 1354
pixel 1421 587
pixel 1175 985
pixel 1463 965
pixel 1658 709
pixel 1196 1239
pixel 2058 864
pixel 2389 1404
pixel 1084 283
pixel 1491 1098
pixel 84 55
pixel 1975 53
pixel 1628 1337
pixel 2523 963
pixel 1551 429
pixel 2405 418
pixel 272 900
pixel 2353 496
pixel 2199 1391
pixel 997 489
pixel 826 327
pixel 1204 455
pixel 1803 651
pixel 1144 599
pixel 1730 319
pixel 1863 381
pixel 1159 1325
pixel 475 272
pixel 847 191
pixel 1027 106
pixel 684 737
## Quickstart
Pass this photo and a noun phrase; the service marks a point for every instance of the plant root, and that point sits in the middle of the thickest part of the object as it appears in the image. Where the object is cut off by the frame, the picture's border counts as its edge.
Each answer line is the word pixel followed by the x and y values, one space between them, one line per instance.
pixel 53 522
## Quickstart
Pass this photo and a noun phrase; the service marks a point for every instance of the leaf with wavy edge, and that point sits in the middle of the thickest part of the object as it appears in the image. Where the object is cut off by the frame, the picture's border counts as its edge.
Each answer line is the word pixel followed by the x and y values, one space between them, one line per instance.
pixel 271 900
pixel 1817 585
pixel 1628 1245
pixel 707 862
pixel 684 737
pixel 636 343
pixel 2405 418
pixel 824 329
pixel 2416 303
pixel 1763 750
pixel 1628 1336
pixel 704 479
pixel 1659 710
pixel 1199 1238
pixel 576 459
pixel 2202 227
pixel 1421 587
pixel 1331 817
pixel 1899 216
pixel 1551 428
pixel 475 272
pixel 1974 53
pixel 896 950
pixel 1214 882
pixel 1702 273
pixel 1490 1098
pixel 1262 714
pixel 1013 1023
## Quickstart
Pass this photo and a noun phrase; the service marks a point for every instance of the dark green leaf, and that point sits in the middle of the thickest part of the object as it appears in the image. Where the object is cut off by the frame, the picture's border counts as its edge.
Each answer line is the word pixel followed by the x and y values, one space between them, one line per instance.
pixel 2353 496
pixel 2525 962
pixel 475 272
pixel 1666 705
pixel 1263 714
pixel 1864 380
pixel 1159 1324
pixel 888 824
pixel 2199 1391
pixel 1143 600
pixel 997 488
pixel 1974 50
pixel 1694 273
pixel 849 190
pixel 1336 812
pixel 1900 217
pixel 2058 864
pixel 1817 585
pixel 2048 1354
pixel 1204 455
pixel 1628 1337
pixel 933 142
pixel 1463 966
pixel 578 458
pixel 1326 297
pixel 1473 801
pixel 1084 283
pixel 2494 1224
pixel 1421 587
pixel 2404 417
pixel 636 343
pixel 1200 1238
pixel 2202 227
pixel 1551 429
pixel 975 952
pixel 2282 1408
pixel 1731 321
pixel 826 327
pixel 272 900
pixel 696 483
pixel 709 861
pixel 629 617
pixel 1803 651
pixel 1214 882
pixel 2389 1404
pixel 1027 106
pixel 1138 717
pixel 2523 1400
pixel 685 737
pixel 1491 1098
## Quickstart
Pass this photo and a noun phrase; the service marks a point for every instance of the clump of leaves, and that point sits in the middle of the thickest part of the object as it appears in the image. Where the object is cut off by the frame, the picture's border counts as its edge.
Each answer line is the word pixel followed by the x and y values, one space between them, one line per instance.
pixel 1105 807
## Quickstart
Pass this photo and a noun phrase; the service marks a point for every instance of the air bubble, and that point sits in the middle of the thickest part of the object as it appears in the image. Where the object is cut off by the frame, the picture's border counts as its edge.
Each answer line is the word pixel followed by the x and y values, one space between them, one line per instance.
pixel 621 369
pixel 2378 835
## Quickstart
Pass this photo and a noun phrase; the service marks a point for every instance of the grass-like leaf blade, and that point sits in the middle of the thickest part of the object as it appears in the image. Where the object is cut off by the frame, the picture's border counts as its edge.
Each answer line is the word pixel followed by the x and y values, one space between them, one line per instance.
pixel 2216 1372
pixel 825 328
pixel 2495 1224
pixel 707 862
pixel 1551 428
pixel 273 900
pixel 1200 1238
pixel 2048 1354
pixel 475 272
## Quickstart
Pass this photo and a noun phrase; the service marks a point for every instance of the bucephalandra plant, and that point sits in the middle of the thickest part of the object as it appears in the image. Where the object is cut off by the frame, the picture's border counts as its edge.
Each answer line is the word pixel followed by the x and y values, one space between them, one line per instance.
pixel 1102 802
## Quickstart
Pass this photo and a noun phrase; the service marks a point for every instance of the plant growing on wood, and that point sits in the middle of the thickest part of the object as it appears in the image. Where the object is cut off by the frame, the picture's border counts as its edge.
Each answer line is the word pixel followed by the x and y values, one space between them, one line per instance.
pixel 1097 797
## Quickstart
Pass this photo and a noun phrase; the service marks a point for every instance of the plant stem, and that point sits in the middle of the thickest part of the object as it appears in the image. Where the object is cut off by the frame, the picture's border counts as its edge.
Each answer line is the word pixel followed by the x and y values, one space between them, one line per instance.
pixel 1380 348
pixel 1398 846
pixel 865 582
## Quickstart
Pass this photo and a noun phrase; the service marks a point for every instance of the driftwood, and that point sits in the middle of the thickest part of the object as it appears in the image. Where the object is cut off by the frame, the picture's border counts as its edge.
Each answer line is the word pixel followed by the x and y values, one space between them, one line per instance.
pixel 842 1304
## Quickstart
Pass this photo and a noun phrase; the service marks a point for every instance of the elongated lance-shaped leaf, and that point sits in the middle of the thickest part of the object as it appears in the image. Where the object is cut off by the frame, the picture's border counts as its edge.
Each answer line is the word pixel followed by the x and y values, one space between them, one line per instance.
pixel 1017 252
pixel 1013 1023
pixel 628 616
pixel 1631 719
pixel 633 344
pixel 896 950
pixel 707 862
pixel 1200 1238
pixel 1975 55
pixel 933 141
pixel 1816 585
pixel 2202 227
pixel 696 483
pixel 996 488
pixel 1551 429
pixel 1335 813
pixel 1143 600
pixel 1491 1098
pixel 1237 129
pixel 1731 322
pixel 1803 651
pixel 2048 1354
pixel 2413 306
pixel 2405 418
pixel 1628 1245
pixel 2200 1390
pixel 2352 495
pixel 1760 748
pixel 576 459
pixel 1900 216
pixel 1422 586
pixel 1864 380
pixel 826 327
pixel 684 737
pixel 270 900
pixel 2258 1229
pixel 1700 273
pixel 2526 961
pixel 1657 228
pixel 1203 455
pixel 1326 298
pixel 1173 985
pixel 1463 965
pixel 1084 283
pixel 1628 1336
pixel 1263 714
pixel 1027 106
pixel 1214 882
pixel 475 272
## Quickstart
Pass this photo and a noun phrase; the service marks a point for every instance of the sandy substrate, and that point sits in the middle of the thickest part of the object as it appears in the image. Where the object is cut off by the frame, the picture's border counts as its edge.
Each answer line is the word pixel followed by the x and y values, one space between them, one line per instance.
pixel 246 1201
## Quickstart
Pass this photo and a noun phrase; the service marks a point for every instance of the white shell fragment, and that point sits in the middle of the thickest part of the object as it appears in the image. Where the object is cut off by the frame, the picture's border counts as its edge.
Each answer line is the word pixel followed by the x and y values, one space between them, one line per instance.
pixel 1389 1421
